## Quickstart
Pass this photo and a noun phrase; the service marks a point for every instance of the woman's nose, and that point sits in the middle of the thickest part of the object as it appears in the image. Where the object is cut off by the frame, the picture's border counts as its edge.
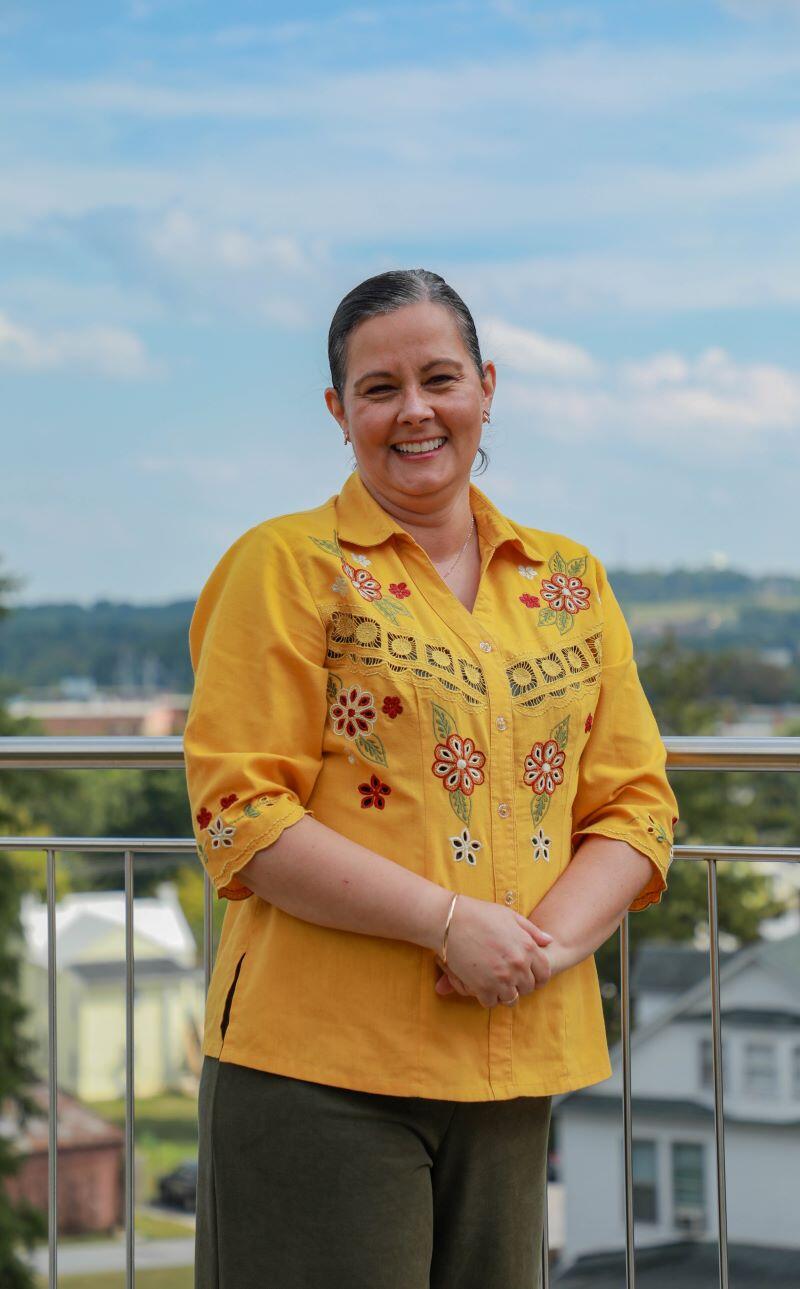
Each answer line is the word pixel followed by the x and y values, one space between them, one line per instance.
pixel 415 406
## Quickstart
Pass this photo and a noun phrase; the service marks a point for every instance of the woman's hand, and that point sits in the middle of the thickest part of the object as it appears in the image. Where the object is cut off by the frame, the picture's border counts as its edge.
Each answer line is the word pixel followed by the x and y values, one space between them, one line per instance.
pixel 493 953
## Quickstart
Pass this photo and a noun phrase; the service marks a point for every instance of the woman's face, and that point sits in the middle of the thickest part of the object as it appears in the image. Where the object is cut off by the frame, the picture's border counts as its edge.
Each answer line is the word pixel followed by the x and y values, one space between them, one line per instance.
pixel 410 378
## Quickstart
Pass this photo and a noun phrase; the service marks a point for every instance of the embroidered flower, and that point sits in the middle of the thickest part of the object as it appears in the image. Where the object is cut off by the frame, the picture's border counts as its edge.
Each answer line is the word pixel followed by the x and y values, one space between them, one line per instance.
pixel 530 601
pixel 541 846
pixel 527 570
pixel 353 712
pixel 563 592
pixel 221 834
pixel 458 764
pixel 363 560
pixel 391 706
pixel 399 590
pixel 374 793
pixel 368 587
pixel 204 817
pixel 465 847
pixel 543 767
pixel 588 723
pixel 227 801
pixel 341 586
pixel 657 830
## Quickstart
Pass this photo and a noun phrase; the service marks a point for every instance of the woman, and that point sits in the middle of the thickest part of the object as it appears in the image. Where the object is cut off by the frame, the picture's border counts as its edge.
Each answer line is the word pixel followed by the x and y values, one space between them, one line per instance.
pixel 425 776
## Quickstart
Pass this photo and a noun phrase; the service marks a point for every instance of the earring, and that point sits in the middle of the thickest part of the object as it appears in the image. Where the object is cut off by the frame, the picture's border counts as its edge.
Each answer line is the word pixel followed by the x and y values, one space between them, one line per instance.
pixel 346 437
pixel 486 416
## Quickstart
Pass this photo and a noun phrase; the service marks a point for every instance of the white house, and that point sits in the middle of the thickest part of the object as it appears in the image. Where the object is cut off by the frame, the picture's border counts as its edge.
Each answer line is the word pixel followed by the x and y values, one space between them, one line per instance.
pixel 674 1161
pixel 90 972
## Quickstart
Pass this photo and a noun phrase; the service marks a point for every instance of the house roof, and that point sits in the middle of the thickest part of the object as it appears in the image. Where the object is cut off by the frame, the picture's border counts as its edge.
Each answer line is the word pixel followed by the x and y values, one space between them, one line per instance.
pixel 86 919
pixel 143 968
pixel 670 968
pixel 695 1263
pixel 78 1125
pixel 672 1108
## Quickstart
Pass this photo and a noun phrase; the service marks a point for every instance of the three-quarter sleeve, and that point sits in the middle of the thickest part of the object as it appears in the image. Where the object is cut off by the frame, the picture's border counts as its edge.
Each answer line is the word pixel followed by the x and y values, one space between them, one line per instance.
pixel 253 735
pixel 623 791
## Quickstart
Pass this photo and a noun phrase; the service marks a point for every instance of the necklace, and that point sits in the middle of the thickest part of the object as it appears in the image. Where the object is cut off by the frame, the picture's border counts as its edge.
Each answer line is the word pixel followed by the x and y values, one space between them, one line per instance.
pixel 449 570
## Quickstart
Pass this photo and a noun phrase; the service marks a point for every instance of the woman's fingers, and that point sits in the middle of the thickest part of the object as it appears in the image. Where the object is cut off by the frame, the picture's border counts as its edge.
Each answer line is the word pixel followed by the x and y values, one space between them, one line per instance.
pixel 541 937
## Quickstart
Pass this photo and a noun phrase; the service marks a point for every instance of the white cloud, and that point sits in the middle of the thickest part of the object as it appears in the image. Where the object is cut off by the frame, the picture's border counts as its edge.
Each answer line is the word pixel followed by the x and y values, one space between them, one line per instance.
pixel 710 402
pixel 106 351
pixel 532 353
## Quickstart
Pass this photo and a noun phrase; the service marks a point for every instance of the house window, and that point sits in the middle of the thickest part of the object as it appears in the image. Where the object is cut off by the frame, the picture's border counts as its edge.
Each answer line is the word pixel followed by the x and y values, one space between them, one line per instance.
pixel 760 1073
pixel 688 1185
pixel 707 1063
pixel 645 1206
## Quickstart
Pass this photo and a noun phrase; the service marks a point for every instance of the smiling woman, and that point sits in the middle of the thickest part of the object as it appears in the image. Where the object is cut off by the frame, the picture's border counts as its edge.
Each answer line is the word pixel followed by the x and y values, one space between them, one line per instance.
pixel 426 778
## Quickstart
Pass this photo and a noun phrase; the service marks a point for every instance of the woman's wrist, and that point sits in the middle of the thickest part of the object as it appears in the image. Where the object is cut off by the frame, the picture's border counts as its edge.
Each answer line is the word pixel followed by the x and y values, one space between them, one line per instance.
pixel 434 907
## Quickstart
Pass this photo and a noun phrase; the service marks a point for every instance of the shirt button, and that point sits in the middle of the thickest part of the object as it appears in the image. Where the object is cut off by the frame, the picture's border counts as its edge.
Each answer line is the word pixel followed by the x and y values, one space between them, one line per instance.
pixel 485 646
pixel 504 810
pixel 501 722
pixel 509 897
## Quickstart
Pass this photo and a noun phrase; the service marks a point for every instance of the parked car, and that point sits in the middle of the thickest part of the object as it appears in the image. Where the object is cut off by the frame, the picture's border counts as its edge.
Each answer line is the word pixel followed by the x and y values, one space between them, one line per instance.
pixel 179 1188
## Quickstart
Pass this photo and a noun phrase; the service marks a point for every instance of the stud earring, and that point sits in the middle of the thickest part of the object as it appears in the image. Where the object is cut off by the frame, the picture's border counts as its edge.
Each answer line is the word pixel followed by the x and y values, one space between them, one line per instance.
pixel 486 416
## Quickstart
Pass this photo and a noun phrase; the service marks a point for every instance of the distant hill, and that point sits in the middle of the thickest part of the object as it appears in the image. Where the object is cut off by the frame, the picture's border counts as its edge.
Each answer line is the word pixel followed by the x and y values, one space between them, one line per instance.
pixel 125 646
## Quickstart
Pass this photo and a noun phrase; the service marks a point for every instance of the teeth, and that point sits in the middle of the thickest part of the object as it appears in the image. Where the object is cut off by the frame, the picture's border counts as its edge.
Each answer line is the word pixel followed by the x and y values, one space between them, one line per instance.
pixel 427 446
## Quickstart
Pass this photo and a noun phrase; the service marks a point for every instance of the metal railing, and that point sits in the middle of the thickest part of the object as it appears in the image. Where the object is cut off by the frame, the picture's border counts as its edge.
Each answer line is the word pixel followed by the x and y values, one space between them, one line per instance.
pixel 136 752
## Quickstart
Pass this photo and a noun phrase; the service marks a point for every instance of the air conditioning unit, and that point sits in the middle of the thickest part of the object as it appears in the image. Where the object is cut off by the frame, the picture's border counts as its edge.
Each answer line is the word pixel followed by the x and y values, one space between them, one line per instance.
pixel 690 1220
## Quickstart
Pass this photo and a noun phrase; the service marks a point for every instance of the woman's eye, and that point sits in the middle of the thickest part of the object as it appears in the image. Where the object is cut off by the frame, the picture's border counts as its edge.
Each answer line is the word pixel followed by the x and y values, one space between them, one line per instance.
pixel 377 389
pixel 442 377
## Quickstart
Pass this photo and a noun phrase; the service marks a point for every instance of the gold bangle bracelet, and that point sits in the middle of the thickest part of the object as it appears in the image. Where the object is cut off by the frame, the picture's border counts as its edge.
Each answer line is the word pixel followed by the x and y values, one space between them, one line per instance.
pixel 447 928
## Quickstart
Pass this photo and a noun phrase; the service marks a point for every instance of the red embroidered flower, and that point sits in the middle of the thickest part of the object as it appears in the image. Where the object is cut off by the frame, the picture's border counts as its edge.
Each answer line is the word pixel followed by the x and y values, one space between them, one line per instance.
pixel 563 592
pixel 353 712
pixel 589 723
pixel 392 706
pixel 458 764
pixel 399 590
pixel 204 817
pixel 530 601
pixel 224 802
pixel 374 793
pixel 368 587
pixel 543 770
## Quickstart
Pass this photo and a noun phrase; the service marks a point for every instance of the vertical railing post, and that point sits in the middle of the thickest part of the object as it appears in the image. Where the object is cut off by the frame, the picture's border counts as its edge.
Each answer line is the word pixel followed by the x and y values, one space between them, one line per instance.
pixel 129 1077
pixel 52 1062
pixel 627 1123
pixel 716 1047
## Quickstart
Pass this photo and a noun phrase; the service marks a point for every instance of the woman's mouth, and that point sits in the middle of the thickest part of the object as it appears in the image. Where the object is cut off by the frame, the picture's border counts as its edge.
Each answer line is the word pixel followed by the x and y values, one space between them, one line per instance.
pixel 422 449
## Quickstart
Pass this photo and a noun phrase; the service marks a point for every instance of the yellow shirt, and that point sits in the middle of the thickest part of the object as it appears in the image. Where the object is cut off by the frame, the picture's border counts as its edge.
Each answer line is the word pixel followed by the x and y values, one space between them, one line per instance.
pixel 337 674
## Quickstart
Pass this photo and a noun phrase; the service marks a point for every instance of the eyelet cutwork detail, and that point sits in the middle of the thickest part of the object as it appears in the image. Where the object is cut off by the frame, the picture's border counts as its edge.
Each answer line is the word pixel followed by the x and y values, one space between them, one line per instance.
pixel 358 638
pixel 365 585
pixel 534 678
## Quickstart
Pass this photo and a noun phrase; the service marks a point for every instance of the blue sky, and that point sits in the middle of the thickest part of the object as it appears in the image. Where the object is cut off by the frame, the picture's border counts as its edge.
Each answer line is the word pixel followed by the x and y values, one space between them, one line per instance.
pixel 187 190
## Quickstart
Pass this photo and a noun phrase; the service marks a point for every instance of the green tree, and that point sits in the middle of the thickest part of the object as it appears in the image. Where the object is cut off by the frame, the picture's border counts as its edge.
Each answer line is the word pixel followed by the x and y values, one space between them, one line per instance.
pixel 20 1222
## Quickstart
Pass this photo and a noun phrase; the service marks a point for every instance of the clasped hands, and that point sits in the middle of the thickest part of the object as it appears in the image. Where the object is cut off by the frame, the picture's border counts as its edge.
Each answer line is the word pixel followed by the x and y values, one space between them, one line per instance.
pixel 541 967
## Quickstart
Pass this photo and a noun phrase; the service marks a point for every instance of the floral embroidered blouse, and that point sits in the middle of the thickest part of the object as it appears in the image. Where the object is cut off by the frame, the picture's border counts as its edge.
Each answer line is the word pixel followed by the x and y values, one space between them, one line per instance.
pixel 337 674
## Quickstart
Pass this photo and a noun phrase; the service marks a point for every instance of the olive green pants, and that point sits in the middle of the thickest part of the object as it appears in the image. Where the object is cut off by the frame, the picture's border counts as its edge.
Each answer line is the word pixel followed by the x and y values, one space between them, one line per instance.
pixel 307 1186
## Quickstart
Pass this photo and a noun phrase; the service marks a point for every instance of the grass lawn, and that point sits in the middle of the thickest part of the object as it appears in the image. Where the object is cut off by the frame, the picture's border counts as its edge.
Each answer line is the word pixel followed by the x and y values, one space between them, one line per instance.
pixel 166 1278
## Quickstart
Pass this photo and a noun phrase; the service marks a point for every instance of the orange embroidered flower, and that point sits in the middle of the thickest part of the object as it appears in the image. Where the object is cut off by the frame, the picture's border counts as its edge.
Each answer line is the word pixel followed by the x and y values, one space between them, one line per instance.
pixel 563 592
pixel 368 587
pixel 458 764
pixel 543 767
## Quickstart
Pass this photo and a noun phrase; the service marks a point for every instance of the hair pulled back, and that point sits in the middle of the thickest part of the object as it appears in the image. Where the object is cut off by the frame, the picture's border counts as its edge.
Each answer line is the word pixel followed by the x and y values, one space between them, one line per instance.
pixel 384 293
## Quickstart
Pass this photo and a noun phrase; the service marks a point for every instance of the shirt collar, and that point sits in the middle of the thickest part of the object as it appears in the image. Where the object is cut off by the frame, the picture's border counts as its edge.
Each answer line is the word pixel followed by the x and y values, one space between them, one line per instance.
pixel 362 521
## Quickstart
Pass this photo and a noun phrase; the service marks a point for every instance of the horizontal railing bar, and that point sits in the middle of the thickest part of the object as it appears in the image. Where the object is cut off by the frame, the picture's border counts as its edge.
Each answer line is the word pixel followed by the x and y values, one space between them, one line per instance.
pixel 140 752
pixel 155 845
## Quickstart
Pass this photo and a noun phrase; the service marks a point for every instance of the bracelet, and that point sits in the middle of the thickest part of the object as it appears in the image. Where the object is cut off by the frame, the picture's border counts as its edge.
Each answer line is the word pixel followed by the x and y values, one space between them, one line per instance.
pixel 447 928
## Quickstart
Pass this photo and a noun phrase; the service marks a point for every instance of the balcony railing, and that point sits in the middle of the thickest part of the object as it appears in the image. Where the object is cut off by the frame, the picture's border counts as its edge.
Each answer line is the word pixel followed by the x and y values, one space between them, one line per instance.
pixel 48 753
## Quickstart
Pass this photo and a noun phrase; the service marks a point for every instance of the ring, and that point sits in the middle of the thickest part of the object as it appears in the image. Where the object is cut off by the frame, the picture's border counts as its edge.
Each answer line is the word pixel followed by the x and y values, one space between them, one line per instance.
pixel 509 1002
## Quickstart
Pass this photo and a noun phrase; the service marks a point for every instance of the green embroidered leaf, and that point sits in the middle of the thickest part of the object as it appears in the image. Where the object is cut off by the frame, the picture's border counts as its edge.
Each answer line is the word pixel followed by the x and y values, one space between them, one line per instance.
pixel 330 547
pixel 557 563
pixel 251 811
pixel 561 733
pixel 371 747
pixel 443 723
pixel 546 616
pixel 335 686
pixel 576 567
pixel 564 621
pixel 539 807
pixel 391 609
pixel 461 804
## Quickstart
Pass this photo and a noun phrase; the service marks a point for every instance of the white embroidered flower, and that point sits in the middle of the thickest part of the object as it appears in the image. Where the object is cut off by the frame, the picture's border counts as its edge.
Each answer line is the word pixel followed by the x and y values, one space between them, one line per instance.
pixel 221 834
pixel 527 570
pixel 541 845
pixel 340 586
pixel 362 559
pixel 465 847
